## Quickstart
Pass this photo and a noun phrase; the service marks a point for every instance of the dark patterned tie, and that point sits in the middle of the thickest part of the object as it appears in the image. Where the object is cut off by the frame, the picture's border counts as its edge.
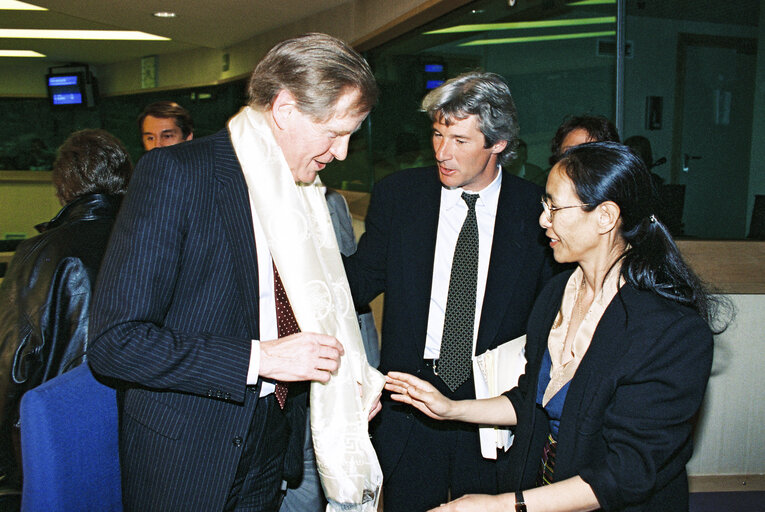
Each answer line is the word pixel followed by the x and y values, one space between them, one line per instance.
pixel 454 363
pixel 286 325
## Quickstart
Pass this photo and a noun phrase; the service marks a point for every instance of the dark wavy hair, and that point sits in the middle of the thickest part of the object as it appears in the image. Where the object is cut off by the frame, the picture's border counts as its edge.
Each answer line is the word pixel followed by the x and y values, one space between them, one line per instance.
pixel 608 171
pixel 91 162
pixel 168 110
pixel 599 128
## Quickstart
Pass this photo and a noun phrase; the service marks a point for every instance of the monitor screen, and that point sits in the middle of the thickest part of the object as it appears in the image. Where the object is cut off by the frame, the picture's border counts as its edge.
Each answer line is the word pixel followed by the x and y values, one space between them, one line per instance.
pixel 66 89
pixel 432 84
pixel 434 68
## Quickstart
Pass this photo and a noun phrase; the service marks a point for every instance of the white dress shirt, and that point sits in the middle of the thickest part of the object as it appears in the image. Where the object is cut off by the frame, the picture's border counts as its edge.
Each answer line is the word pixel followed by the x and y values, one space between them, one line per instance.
pixel 451 216
pixel 266 305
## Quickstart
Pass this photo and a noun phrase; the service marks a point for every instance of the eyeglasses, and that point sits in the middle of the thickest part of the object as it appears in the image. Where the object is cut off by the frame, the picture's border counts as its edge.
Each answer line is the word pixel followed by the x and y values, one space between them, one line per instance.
pixel 549 210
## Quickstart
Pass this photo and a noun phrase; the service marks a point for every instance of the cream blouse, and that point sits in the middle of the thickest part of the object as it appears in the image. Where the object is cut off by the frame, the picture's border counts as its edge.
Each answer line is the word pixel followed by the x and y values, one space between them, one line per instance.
pixel 565 362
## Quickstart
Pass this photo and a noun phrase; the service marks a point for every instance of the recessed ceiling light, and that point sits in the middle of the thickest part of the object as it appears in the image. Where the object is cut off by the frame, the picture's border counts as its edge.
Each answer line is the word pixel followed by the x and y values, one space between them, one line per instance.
pixel 106 35
pixel 164 14
pixel 14 5
pixel 20 53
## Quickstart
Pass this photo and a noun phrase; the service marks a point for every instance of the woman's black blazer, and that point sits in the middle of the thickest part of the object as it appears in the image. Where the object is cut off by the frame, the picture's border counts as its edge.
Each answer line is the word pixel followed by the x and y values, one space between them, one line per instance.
pixel 627 422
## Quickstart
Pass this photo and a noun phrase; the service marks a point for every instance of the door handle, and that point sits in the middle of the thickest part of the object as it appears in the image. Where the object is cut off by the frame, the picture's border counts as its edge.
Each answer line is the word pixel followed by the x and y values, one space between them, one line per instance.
pixel 687 160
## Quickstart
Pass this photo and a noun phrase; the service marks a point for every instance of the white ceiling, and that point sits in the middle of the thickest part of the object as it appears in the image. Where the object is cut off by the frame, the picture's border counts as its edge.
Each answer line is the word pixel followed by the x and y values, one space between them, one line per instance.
pixel 199 24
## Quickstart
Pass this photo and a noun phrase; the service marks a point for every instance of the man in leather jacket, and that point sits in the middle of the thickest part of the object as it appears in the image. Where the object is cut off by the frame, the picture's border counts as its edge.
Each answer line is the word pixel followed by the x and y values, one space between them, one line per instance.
pixel 45 296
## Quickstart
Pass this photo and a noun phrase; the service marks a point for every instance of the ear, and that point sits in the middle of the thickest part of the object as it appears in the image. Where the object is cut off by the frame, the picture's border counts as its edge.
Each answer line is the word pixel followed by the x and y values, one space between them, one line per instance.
pixel 282 108
pixel 499 147
pixel 608 214
pixel 191 136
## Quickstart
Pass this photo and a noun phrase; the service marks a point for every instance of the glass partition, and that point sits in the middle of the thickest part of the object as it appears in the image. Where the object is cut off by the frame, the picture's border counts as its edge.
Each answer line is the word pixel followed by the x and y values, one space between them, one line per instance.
pixel 690 83
pixel 558 58
pixel 692 91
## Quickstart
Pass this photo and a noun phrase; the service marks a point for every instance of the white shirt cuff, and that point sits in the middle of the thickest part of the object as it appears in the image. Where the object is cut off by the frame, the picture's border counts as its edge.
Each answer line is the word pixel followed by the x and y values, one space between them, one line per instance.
pixel 252 372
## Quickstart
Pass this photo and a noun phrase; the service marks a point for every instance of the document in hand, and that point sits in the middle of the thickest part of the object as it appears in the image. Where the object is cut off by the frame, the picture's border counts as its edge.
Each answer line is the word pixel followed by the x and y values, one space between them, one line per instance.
pixel 494 372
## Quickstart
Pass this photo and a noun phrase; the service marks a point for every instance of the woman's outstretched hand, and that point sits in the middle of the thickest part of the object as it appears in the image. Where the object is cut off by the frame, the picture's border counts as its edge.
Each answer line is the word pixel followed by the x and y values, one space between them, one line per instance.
pixel 420 394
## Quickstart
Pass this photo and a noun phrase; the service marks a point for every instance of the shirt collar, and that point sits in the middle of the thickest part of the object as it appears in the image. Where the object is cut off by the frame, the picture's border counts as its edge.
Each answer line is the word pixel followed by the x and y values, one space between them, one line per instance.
pixel 489 196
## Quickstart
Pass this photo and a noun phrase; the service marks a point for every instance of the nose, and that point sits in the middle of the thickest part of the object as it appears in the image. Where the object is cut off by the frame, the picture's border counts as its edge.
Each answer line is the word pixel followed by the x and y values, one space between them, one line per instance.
pixel 441 149
pixel 339 148
pixel 544 222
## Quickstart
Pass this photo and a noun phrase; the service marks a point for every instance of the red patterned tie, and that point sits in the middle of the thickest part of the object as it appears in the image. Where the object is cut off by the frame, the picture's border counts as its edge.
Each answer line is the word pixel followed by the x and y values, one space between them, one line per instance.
pixel 286 325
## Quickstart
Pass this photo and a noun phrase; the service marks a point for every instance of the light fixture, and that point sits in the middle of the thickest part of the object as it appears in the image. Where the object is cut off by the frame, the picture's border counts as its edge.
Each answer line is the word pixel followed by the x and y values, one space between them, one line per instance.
pixel 533 39
pixel 20 53
pixel 14 5
pixel 106 35
pixel 483 27
pixel 592 2
pixel 164 14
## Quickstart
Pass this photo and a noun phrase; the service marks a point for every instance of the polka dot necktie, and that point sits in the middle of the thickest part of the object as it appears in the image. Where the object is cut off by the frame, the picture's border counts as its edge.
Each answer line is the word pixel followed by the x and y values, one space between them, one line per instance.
pixel 286 325
pixel 454 363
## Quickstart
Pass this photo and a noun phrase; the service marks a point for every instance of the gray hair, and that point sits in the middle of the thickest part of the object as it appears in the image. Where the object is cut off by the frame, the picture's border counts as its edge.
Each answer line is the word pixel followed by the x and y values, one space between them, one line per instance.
pixel 316 69
pixel 485 95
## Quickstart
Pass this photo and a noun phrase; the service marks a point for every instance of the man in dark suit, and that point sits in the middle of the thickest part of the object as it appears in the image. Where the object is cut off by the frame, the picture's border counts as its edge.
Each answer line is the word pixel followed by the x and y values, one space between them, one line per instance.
pixel 437 315
pixel 185 314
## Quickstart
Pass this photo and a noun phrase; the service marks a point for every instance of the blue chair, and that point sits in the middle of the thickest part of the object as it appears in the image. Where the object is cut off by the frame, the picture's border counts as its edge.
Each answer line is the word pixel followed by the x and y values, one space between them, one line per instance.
pixel 69 445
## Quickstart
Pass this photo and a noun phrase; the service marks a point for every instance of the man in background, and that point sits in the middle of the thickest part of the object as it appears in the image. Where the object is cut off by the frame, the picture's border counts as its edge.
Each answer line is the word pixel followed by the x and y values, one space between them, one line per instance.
pixel 523 169
pixel 164 123
pixel 575 130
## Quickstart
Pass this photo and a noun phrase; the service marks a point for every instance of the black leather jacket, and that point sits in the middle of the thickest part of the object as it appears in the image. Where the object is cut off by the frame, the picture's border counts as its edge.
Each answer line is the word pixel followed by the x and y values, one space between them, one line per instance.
pixel 44 302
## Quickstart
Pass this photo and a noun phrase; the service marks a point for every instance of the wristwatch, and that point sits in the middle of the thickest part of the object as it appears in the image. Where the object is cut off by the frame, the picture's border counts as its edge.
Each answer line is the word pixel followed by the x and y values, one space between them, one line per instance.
pixel 520 505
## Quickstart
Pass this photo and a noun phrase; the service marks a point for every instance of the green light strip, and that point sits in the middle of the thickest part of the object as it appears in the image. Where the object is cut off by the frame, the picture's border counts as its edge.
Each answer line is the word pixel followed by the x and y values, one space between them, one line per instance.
pixel 532 39
pixel 592 2
pixel 523 25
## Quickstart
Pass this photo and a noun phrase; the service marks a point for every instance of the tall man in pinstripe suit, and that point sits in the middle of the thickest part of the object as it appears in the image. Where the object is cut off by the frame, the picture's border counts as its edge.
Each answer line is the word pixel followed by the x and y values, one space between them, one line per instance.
pixel 184 316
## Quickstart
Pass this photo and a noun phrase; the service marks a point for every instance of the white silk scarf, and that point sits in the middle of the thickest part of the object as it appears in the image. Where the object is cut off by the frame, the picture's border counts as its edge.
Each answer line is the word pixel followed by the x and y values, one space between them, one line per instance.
pixel 299 233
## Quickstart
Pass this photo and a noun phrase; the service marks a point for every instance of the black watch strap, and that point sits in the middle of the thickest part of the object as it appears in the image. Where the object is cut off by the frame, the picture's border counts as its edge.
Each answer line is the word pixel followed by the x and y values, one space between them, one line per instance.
pixel 520 505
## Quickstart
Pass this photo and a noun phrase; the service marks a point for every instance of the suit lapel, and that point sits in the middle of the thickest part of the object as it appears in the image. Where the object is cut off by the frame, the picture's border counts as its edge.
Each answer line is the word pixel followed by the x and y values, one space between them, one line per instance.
pixel 234 208
pixel 505 266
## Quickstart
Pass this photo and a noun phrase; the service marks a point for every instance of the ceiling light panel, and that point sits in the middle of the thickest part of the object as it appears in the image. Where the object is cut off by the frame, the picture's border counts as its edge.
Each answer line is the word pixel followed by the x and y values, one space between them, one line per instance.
pixel 20 53
pixel 104 35
pixel 13 5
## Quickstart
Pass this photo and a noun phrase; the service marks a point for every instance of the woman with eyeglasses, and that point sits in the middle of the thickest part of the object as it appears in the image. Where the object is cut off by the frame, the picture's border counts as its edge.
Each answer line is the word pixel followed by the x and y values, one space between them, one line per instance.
pixel 619 352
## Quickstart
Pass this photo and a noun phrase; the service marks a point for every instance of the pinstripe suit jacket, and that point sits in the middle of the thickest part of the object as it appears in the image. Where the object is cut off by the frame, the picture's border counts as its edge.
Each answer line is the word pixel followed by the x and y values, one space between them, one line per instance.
pixel 175 309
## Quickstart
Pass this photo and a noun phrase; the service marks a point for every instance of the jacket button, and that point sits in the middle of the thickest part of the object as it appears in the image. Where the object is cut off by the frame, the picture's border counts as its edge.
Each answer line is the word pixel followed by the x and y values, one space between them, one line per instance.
pixel 237 441
pixel 227 396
